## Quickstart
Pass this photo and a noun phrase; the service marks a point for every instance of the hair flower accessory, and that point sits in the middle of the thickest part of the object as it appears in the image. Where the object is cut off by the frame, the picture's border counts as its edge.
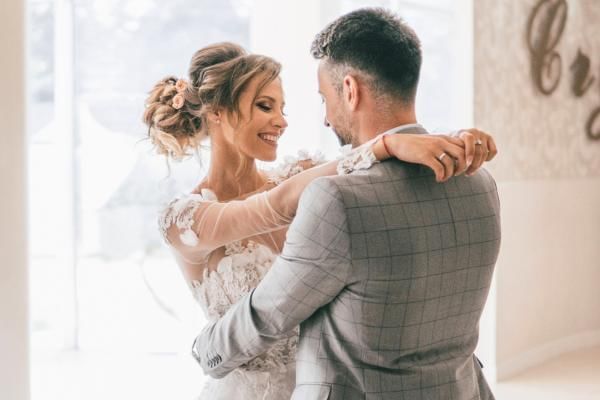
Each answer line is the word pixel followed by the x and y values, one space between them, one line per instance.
pixel 180 85
pixel 178 101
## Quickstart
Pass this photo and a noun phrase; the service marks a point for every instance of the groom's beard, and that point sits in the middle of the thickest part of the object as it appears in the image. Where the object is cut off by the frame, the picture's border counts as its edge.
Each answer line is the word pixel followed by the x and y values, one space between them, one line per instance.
pixel 343 140
pixel 343 134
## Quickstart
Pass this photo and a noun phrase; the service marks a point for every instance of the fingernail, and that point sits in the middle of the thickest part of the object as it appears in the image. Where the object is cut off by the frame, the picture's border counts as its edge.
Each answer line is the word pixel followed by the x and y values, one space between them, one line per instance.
pixel 469 161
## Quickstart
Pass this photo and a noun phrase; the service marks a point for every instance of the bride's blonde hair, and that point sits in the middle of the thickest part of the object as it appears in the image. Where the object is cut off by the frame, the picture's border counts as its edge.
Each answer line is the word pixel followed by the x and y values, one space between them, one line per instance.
pixel 176 109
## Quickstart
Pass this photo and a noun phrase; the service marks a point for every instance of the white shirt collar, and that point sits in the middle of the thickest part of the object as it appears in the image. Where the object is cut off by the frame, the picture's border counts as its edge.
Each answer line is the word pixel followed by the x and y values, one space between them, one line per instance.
pixel 401 128
pixel 388 132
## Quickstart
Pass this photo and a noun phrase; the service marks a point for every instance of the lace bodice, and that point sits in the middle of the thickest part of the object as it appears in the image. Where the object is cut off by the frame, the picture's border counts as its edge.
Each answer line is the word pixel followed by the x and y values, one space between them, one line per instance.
pixel 238 272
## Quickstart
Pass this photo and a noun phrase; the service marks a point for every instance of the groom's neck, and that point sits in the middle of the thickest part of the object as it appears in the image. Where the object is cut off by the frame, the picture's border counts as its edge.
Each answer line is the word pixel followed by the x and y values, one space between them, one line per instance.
pixel 370 124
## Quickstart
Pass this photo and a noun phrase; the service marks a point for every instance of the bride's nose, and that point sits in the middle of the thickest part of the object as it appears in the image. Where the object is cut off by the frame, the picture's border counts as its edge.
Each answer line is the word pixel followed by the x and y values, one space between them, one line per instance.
pixel 280 122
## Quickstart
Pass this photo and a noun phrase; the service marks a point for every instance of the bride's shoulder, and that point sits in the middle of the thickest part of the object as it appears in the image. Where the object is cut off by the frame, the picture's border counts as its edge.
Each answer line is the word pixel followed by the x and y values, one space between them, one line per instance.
pixel 180 212
pixel 292 165
pixel 182 203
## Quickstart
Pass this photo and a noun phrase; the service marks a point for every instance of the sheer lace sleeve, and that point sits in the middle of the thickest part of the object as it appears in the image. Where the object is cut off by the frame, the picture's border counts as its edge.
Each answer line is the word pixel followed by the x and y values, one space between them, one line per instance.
pixel 294 165
pixel 201 223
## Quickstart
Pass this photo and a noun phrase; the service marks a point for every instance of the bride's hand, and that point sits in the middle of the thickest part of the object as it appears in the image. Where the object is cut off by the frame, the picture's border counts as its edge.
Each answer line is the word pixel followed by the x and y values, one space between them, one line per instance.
pixel 446 155
pixel 479 147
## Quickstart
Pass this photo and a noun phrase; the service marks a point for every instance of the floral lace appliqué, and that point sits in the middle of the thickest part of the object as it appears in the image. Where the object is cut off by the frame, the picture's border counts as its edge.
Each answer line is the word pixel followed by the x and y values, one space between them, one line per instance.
pixel 354 160
pixel 241 270
pixel 292 165
pixel 180 212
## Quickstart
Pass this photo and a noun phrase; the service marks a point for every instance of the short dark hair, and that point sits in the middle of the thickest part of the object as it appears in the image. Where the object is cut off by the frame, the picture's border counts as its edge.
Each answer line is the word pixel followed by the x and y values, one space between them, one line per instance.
pixel 376 42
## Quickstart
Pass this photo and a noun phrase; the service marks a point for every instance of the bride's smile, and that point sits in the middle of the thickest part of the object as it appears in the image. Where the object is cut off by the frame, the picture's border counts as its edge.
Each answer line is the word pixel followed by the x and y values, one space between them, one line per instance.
pixel 270 138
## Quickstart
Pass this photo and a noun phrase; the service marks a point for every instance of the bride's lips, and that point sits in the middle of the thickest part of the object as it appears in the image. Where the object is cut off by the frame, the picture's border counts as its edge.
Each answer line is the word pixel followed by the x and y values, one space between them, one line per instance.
pixel 270 138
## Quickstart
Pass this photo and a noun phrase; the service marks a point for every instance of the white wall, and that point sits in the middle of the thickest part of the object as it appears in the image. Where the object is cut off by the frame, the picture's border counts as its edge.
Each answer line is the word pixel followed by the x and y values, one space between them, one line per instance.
pixel 14 376
pixel 548 271
pixel 548 173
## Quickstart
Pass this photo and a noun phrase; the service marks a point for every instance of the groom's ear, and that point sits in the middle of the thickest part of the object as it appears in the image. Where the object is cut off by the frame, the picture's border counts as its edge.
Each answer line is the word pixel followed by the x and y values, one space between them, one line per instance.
pixel 351 92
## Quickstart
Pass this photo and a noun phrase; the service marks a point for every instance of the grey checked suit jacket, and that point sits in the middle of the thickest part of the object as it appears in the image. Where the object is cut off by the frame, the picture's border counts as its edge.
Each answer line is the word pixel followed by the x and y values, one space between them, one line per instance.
pixel 387 274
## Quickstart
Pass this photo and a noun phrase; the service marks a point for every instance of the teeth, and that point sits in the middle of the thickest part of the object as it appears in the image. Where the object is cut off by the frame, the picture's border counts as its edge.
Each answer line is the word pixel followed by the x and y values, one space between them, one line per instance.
pixel 271 138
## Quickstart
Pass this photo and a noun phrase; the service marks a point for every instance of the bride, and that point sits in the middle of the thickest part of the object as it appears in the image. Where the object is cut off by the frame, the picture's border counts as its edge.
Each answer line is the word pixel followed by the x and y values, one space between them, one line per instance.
pixel 227 231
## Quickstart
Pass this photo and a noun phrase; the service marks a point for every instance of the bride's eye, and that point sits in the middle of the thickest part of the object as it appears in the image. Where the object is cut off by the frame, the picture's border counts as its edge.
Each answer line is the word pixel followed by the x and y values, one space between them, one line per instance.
pixel 264 107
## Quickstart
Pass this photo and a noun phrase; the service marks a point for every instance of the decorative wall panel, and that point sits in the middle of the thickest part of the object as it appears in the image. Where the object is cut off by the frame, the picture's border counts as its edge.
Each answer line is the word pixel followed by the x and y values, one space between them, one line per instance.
pixel 540 136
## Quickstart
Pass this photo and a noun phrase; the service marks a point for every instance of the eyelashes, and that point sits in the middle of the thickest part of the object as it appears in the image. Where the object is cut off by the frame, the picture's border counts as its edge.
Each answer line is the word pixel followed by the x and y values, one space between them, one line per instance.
pixel 267 108
pixel 264 107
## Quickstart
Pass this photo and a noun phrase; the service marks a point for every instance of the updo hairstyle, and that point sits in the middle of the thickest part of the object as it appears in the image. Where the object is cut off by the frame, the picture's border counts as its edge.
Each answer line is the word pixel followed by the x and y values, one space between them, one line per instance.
pixel 176 109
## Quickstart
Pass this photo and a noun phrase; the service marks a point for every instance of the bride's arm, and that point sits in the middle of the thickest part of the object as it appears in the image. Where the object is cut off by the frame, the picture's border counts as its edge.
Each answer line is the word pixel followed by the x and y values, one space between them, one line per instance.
pixel 197 225
pixel 194 225
pixel 467 150
pixel 414 148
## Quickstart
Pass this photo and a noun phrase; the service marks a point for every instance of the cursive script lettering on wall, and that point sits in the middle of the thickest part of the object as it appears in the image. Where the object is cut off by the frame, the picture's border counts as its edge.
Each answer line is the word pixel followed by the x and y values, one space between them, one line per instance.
pixel 544 30
pixel 582 80
pixel 545 27
pixel 592 127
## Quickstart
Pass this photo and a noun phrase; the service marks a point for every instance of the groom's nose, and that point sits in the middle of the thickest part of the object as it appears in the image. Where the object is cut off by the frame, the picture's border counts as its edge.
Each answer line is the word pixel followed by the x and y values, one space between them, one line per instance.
pixel 327 124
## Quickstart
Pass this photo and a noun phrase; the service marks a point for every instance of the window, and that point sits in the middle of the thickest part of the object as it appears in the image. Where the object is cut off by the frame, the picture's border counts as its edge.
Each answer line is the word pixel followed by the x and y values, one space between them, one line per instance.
pixel 102 284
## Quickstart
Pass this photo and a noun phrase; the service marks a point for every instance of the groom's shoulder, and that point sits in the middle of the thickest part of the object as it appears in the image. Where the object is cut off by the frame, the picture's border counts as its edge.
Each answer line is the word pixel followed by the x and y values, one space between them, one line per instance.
pixel 384 173
pixel 364 186
pixel 392 180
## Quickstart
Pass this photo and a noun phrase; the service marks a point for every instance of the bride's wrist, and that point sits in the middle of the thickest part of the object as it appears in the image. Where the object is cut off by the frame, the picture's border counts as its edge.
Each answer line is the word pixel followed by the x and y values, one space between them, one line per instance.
pixel 381 149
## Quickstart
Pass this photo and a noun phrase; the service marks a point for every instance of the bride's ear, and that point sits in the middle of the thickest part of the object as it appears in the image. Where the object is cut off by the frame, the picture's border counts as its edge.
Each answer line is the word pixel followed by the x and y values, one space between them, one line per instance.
pixel 215 116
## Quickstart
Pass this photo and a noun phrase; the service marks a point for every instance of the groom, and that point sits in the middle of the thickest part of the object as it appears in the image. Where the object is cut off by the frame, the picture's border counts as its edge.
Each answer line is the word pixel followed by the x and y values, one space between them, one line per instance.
pixel 386 272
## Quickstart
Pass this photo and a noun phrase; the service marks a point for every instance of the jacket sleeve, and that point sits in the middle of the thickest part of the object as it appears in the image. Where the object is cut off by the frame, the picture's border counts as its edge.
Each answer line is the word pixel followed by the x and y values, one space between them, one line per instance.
pixel 312 269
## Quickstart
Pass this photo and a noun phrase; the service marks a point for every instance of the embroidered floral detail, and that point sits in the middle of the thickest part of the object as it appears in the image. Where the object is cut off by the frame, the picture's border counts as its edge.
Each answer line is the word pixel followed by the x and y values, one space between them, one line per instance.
pixel 241 383
pixel 241 270
pixel 293 165
pixel 181 213
pixel 354 160
pixel 277 357
pixel 235 248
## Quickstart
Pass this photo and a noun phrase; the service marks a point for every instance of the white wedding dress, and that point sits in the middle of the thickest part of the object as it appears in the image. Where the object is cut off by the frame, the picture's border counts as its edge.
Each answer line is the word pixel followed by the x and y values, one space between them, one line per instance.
pixel 270 376
pixel 200 230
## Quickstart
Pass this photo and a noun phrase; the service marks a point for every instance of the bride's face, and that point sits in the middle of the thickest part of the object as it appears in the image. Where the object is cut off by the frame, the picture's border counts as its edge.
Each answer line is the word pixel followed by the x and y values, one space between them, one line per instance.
pixel 261 121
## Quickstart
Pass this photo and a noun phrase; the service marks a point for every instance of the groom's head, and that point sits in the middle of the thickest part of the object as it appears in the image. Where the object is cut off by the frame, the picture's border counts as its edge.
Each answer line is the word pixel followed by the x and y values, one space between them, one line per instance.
pixel 369 61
